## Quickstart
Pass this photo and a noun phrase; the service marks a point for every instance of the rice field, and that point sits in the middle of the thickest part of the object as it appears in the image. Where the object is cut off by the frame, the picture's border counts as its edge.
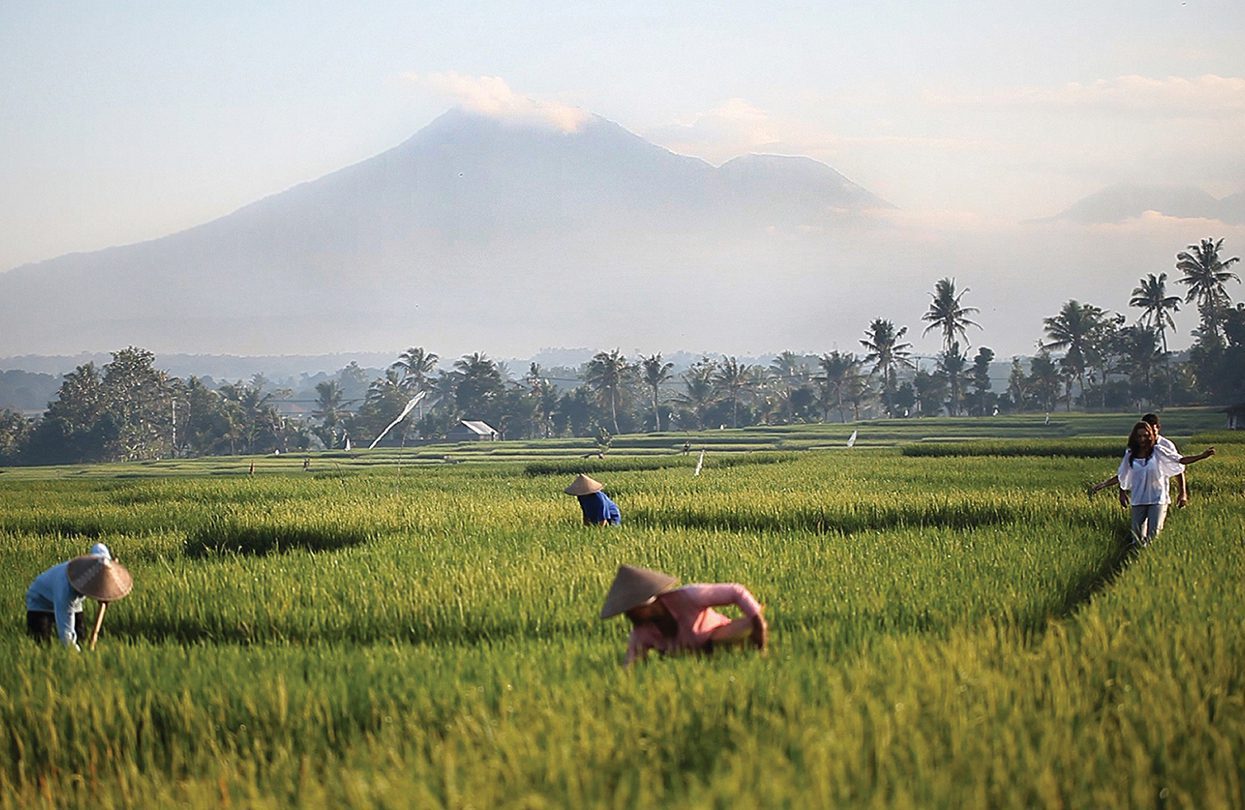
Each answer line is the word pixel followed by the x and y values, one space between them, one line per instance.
pixel 958 629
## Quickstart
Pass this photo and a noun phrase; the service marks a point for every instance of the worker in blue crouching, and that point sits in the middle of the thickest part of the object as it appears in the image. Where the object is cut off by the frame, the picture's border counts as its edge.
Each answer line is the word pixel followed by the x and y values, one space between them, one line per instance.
pixel 54 600
pixel 597 507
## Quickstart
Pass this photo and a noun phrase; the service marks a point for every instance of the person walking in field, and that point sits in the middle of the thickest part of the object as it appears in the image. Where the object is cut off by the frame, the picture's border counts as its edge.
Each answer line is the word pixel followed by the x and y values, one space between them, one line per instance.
pixel 597 507
pixel 54 600
pixel 671 619
pixel 1182 489
pixel 1144 476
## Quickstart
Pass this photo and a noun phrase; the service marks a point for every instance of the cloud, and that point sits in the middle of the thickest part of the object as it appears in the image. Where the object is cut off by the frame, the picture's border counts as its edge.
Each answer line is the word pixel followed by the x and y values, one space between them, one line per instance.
pixel 1207 96
pixel 733 128
pixel 491 96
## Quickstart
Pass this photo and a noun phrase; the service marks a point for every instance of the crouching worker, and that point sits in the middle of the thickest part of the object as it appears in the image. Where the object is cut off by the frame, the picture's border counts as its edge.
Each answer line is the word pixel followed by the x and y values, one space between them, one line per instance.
pixel 54 600
pixel 670 619
pixel 597 507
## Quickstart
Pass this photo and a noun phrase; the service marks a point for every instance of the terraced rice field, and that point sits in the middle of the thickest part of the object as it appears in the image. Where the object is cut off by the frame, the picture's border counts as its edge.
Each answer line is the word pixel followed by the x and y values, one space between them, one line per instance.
pixel 947 630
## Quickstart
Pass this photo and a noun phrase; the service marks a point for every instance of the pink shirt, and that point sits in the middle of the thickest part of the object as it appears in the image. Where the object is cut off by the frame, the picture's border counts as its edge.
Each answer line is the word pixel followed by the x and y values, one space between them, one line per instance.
pixel 692 609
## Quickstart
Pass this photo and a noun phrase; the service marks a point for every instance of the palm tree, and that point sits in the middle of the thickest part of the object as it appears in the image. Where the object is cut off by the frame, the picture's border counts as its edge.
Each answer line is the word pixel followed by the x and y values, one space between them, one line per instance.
pixel 416 365
pixel 606 374
pixel 838 371
pixel 731 379
pixel 655 373
pixel 946 314
pixel 952 363
pixel 478 384
pixel 329 411
pixel 698 390
pixel 1206 274
pixel 1156 305
pixel 886 353
pixel 1077 329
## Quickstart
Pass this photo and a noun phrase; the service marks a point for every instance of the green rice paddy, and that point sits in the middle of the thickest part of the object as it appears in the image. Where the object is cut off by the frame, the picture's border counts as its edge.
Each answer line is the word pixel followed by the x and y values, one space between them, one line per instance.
pixel 387 629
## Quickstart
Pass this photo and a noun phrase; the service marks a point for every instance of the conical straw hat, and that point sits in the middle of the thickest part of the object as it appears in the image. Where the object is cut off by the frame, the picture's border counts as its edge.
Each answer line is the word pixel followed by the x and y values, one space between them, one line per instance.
pixel 583 485
pixel 99 577
pixel 633 586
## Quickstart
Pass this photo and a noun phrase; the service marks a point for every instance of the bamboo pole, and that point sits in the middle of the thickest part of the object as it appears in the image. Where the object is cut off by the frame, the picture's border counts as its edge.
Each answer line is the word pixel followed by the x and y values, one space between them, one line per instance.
pixel 99 622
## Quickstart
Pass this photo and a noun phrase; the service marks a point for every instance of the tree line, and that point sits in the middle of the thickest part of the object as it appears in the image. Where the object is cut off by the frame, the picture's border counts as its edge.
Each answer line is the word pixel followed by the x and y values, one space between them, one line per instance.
pixel 1088 357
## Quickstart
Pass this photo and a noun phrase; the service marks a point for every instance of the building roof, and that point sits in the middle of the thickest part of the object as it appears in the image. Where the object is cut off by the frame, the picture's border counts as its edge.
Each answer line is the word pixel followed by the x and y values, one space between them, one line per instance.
pixel 477 427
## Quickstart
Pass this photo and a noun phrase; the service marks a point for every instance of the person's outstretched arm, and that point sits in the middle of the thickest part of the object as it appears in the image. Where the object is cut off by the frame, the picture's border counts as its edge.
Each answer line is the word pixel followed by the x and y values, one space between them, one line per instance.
pixel 1112 481
pixel 1207 453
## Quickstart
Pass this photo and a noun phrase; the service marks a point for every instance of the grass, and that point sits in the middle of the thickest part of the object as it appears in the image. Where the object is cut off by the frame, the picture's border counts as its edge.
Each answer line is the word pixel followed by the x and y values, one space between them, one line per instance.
pixel 947 631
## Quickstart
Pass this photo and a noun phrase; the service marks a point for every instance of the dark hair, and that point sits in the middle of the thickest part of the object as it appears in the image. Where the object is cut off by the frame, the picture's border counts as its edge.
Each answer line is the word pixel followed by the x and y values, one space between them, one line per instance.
pixel 1133 446
pixel 1151 419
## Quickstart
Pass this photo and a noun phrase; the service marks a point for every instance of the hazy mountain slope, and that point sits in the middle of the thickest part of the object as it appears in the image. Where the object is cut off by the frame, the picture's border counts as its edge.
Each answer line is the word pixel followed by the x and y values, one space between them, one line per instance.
pixel 468 221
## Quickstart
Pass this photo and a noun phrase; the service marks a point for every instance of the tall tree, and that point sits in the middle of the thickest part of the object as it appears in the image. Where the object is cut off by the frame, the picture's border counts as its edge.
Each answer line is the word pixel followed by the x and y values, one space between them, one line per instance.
pixel 952 363
pixel 887 354
pixel 839 372
pixel 139 401
pixel 655 372
pixel 478 385
pixel 544 400
pixel 1077 329
pixel 416 366
pixel 1150 296
pixel 1206 275
pixel 981 379
pixel 947 314
pixel 698 395
pixel 731 380
pixel 329 410
pixel 1017 385
pixel 606 374
pixel 1044 380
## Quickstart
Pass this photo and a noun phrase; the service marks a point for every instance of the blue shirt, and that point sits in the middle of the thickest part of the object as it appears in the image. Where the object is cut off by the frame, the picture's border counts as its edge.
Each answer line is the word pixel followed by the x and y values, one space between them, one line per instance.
pixel 598 508
pixel 52 593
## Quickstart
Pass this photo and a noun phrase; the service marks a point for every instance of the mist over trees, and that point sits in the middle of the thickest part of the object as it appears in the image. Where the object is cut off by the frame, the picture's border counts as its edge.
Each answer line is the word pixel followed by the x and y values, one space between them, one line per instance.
pixel 1089 357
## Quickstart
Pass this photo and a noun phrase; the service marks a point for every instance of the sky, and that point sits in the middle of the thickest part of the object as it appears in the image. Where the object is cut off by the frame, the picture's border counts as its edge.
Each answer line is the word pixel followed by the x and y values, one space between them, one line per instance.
pixel 124 121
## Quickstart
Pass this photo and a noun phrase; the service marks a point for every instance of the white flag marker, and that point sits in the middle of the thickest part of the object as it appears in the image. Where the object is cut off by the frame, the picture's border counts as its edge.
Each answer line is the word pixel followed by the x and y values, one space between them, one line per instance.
pixel 410 406
pixel 700 462
pixel 851 440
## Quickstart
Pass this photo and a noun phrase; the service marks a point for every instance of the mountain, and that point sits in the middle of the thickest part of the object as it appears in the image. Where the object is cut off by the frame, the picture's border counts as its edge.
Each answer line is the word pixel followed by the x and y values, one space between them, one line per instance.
pixel 1120 202
pixel 468 227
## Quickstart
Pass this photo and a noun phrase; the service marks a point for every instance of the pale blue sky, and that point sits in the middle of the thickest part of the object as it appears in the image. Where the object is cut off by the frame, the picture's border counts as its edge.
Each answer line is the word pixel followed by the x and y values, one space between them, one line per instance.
pixel 122 121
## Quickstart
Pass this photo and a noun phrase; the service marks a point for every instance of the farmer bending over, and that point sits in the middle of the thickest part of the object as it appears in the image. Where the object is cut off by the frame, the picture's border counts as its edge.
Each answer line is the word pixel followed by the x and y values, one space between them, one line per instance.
pixel 597 507
pixel 673 620
pixel 54 599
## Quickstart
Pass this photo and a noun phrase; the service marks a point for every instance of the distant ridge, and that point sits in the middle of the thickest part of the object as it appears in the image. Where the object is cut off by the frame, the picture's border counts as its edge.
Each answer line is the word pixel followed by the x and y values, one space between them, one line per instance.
pixel 1122 202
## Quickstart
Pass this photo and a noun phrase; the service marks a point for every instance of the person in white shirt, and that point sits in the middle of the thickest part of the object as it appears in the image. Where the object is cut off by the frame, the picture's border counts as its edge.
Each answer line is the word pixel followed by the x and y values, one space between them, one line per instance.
pixel 54 600
pixel 1182 488
pixel 1144 475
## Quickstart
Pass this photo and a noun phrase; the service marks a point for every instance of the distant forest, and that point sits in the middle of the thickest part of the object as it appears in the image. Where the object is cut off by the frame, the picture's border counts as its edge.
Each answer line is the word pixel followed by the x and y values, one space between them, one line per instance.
pixel 1088 357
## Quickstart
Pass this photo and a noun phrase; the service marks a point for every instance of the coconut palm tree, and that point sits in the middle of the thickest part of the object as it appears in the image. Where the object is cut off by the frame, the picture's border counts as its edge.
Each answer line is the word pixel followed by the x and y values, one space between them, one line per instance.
pixel 952 363
pixel 731 379
pixel 477 385
pixel 606 374
pixel 886 353
pixel 1156 305
pixel 655 373
pixel 697 397
pixel 329 410
pixel 416 366
pixel 1078 330
pixel 1206 274
pixel 947 314
pixel 838 373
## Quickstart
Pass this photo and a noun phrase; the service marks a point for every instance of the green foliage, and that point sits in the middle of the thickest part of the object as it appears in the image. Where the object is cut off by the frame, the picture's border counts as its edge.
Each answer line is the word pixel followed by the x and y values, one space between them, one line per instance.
pixel 959 631
pixel 1084 448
